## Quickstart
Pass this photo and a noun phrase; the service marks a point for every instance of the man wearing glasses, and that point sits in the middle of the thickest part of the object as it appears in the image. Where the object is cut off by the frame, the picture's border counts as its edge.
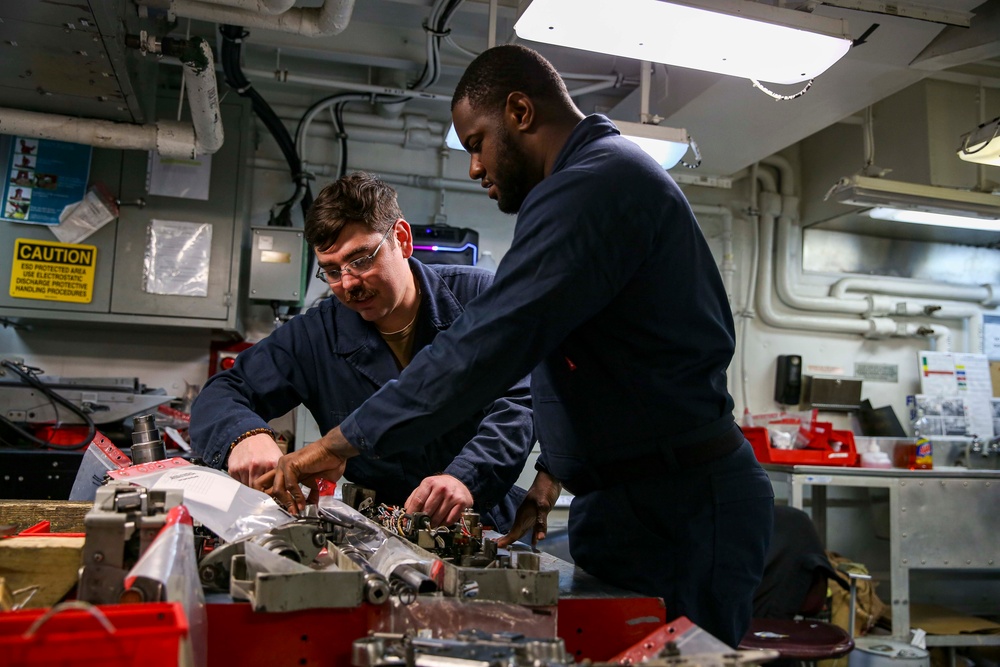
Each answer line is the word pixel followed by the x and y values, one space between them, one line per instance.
pixel 388 307
pixel 610 296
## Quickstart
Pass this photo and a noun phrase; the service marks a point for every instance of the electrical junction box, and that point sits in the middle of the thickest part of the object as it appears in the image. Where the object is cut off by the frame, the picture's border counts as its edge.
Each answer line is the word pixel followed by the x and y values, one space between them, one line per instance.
pixel 277 264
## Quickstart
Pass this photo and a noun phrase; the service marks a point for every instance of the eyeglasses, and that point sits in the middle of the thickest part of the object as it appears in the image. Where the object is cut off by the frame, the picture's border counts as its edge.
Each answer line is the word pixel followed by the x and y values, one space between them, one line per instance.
pixel 355 268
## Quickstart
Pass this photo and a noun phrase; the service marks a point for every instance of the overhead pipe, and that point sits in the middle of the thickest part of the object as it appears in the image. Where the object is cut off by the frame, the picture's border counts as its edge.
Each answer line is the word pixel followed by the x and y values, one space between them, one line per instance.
pixel 329 19
pixel 169 138
pixel 256 6
pixel 727 265
pixel 865 306
pixel 406 121
pixel 785 264
pixel 985 295
pixel 284 76
pixel 409 180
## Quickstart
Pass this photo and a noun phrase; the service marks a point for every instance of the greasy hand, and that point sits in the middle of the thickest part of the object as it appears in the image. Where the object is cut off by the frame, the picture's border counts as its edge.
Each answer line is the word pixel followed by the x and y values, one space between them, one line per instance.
pixel 325 458
pixel 534 510
pixel 443 497
pixel 253 457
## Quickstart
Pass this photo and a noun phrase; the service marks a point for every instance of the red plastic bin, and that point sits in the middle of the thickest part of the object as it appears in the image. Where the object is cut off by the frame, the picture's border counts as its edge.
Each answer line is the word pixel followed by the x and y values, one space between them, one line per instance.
pixel 140 635
pixel 818 453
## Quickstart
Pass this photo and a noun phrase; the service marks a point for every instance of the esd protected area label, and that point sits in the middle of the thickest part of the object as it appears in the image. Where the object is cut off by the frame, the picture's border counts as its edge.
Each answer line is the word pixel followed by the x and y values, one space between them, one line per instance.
pixel 53 271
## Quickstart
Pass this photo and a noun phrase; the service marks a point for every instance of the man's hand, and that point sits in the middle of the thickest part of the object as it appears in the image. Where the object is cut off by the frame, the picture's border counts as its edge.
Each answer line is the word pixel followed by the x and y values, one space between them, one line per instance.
pixel 253 457
pixel 534 510
pixel 325 458
pixel 443 497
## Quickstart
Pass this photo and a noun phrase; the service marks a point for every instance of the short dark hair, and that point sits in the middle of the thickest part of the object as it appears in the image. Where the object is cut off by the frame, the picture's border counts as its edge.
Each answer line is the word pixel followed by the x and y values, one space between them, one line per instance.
pixel 499 71
pixel 359 197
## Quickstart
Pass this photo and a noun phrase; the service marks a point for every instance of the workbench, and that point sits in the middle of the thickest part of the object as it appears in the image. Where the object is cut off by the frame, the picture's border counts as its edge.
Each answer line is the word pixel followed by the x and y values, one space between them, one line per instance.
pixel 595 620
pixel 945 519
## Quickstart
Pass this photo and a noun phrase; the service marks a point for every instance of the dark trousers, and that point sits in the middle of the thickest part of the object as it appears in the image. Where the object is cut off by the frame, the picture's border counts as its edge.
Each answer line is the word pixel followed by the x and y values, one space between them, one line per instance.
pixel 696 538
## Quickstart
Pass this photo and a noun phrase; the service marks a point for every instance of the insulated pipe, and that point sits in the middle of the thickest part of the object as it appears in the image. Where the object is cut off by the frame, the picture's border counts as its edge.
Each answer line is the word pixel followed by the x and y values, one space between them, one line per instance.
pixel 971 315
pixel 203 99
pixel 878 326
pixel 330 19
pixel 986 295
pixel 256 6
pixel 788 258
pixel 168 138
pixel 727 266
pixel 171 139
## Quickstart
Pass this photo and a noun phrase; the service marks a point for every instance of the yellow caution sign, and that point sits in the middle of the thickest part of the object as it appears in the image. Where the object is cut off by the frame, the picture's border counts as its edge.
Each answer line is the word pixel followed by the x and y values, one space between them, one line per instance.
pixel 53 271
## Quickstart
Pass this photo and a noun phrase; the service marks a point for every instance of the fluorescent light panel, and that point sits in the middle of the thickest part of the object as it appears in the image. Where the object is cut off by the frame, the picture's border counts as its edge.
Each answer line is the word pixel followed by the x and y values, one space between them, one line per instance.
pixel 936 219
pixel 666 145
pixel 885 193
pixel 735 37
pixel 983 144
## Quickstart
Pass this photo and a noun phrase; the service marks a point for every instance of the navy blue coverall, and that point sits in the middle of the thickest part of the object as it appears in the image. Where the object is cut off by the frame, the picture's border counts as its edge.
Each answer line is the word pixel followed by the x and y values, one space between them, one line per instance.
pixel 330 360
pixel 610 289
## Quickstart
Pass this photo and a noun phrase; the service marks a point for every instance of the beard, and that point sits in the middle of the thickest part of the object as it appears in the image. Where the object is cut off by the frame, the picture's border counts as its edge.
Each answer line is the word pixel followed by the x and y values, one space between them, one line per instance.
pixel 510 175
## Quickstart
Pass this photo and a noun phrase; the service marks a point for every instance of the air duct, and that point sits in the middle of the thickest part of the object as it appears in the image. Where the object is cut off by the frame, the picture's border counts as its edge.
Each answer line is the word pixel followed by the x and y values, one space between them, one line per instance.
pixel 169 138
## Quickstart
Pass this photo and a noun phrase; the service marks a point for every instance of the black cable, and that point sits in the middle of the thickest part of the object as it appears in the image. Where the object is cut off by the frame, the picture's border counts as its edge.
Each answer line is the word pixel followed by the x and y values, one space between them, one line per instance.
pixel 338 117
pixel 28 378
pixel 232 38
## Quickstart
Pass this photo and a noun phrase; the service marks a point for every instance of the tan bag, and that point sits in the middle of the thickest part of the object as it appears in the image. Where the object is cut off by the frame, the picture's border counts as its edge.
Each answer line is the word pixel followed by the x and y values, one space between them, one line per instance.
pixel 870 609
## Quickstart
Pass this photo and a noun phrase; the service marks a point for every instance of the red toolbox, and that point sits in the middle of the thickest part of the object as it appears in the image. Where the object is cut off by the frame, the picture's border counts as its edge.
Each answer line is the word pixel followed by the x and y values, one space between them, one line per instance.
pixel 138 635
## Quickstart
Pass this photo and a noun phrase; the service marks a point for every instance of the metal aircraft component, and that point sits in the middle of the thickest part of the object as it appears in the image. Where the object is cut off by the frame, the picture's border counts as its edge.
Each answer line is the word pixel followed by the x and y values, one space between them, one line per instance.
pixel 120 527
pixel 105 400
pixel 147 446
pixel 455 559
pixel 471 648
pixel 299 541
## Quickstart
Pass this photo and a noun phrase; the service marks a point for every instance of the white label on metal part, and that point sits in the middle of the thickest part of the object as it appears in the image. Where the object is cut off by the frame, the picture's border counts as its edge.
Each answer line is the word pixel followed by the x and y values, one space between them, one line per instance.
pixel 202 486
pixel 265 242
pixel 877 372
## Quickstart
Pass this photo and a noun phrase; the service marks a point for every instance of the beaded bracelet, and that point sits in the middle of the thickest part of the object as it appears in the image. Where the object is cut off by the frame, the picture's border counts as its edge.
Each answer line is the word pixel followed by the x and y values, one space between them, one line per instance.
pixel 256 431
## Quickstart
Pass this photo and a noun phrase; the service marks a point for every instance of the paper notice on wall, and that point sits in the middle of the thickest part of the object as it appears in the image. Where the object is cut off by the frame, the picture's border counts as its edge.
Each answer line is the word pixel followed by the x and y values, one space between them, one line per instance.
pixel 964 375
pixel 178 258
pixel 991 337
pixel 180 177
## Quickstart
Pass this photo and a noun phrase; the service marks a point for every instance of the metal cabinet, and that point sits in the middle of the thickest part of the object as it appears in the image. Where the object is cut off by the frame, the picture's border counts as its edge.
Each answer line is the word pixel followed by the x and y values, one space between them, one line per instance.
pixel 119 293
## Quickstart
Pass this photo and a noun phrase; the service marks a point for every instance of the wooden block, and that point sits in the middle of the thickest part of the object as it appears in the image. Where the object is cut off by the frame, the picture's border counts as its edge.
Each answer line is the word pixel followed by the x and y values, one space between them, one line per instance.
pixel 51 563
pixel 6 599
pixel 66 516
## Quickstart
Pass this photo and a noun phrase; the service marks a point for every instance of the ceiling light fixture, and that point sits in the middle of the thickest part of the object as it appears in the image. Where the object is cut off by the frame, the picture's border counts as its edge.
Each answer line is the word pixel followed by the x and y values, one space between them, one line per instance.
pixel 936 219
pixel 666 145
pixel 735 37
pixel 921 204
pixel 982 145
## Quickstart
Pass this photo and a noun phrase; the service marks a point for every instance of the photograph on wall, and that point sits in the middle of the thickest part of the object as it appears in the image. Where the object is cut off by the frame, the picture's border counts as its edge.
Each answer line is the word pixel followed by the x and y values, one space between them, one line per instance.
pixel 18 204
pixel 44 177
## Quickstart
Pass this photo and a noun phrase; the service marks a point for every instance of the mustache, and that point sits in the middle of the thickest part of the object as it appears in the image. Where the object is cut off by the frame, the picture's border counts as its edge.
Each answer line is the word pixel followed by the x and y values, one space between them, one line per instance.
pixel 359 294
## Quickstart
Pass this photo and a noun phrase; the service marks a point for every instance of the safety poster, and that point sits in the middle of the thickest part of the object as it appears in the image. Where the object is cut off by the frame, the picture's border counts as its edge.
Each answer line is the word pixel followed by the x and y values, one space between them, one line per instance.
pixel 53 271
pixel 42 177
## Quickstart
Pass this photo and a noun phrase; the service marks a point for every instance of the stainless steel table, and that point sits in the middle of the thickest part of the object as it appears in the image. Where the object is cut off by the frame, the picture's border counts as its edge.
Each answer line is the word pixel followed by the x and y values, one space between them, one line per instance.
pixel 941 519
